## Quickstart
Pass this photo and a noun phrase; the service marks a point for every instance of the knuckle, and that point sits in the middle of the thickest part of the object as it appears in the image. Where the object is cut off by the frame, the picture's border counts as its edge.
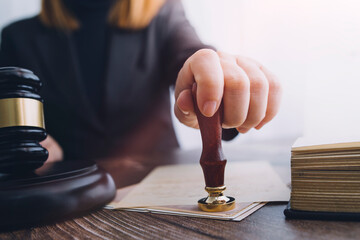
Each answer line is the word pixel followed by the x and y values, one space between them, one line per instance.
pixel 225 56
pixel 258 84
pixel 205 53
pixel 261 66
pixel 221 54
pixel 275 84
pixel 236 80
pixel 240 59
pixel 232 79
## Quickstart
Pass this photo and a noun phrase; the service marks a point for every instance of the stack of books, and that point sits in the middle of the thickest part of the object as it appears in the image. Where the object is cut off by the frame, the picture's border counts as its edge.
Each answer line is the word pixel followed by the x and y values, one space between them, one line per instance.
pixel 325 176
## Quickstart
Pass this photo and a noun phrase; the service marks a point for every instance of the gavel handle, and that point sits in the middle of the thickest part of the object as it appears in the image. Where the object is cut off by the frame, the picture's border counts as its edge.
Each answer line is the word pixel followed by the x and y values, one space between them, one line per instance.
pixel 212 158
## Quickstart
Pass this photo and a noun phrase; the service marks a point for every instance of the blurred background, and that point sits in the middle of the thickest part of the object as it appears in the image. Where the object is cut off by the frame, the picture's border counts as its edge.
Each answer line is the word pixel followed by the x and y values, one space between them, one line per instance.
pixel 313 47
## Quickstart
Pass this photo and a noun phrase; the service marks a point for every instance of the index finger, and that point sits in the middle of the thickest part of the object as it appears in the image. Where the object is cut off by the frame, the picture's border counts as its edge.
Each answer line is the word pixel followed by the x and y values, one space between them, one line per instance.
pixel 204 68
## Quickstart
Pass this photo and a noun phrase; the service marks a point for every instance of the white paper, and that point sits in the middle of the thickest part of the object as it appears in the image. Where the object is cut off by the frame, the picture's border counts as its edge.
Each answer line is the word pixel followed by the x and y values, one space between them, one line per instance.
pixel 184 185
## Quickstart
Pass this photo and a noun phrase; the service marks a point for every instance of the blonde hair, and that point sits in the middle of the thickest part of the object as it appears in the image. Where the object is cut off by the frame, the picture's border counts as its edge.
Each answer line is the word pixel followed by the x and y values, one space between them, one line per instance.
pixel 129 14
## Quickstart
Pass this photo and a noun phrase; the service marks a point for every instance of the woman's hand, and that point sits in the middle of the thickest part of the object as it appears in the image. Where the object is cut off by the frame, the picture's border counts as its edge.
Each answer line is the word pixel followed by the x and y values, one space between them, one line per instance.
pixel 251 93
pixel 54 149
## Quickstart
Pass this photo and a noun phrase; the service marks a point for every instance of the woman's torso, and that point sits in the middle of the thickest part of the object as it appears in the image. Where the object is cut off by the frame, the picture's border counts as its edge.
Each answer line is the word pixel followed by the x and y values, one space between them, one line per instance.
pixel 134 113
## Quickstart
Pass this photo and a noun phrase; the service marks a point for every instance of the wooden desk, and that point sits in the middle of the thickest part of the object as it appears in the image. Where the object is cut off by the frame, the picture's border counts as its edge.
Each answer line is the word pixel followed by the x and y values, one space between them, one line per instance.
pixel 267 223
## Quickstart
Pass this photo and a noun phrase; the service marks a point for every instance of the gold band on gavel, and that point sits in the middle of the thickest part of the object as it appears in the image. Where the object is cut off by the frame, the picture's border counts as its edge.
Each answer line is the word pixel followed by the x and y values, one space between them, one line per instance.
pixel 21 112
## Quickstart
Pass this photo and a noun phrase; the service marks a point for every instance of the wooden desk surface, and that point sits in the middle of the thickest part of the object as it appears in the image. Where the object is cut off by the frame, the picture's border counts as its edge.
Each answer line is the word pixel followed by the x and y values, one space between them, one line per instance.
pixel 267 223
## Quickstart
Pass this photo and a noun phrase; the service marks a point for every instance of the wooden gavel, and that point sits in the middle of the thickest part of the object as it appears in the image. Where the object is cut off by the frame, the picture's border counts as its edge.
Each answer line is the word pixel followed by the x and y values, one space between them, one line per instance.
pixel 22 124
pixel 212 161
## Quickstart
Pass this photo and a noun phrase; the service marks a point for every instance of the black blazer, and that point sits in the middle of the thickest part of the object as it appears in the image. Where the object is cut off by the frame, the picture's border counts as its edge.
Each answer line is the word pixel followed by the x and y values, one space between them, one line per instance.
pixel 135 117
pixel 141 67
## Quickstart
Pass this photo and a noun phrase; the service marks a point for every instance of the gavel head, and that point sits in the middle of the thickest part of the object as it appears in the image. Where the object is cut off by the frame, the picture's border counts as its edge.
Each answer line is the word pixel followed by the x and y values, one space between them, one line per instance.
pixel 21 121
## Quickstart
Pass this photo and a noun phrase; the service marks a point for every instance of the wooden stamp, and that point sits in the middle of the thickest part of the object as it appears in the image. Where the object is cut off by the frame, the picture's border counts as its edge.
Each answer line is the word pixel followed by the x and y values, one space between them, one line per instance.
pixel 212 161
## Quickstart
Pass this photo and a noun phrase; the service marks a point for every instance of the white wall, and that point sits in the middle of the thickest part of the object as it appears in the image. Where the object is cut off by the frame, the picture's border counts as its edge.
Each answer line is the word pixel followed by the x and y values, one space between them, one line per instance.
pixel 271 32
pixel 313 46
pixel 333 96
pixel 11 10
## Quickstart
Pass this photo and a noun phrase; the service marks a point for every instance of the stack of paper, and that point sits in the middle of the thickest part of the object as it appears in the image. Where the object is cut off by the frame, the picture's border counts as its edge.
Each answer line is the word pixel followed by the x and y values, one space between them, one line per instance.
pixel 175 190
pixel 325 175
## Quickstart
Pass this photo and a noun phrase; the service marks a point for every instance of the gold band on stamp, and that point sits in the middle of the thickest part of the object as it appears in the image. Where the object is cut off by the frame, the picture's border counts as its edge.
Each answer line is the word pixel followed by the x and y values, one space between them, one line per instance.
pixel 21 112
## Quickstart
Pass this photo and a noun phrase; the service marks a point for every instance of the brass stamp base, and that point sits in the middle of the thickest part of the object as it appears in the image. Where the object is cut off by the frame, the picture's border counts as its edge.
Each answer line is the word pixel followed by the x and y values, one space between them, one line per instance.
pixel 212 207
pixel 216 201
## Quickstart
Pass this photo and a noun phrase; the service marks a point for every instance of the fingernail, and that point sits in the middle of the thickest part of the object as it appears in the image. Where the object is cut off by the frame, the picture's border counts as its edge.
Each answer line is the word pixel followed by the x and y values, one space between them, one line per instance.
pixel 184 112
pixel 209 108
